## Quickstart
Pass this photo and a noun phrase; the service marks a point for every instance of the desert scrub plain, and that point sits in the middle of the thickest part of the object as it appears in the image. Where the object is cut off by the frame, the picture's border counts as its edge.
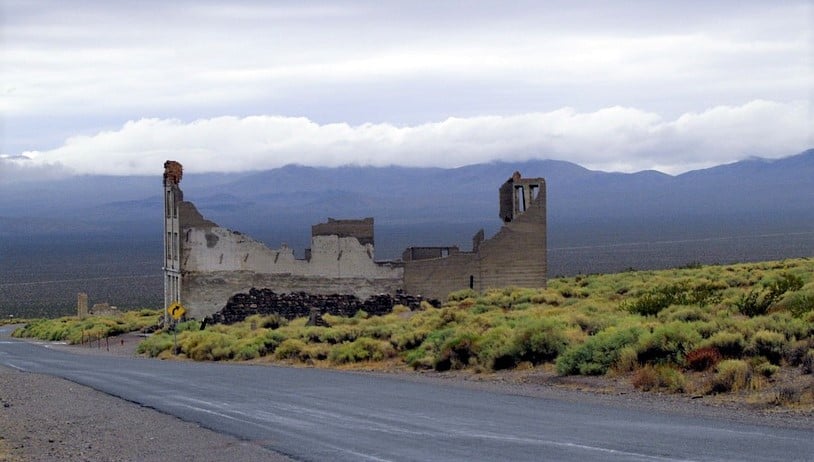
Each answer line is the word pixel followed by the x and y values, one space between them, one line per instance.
pixel 744 329
pixel 74 330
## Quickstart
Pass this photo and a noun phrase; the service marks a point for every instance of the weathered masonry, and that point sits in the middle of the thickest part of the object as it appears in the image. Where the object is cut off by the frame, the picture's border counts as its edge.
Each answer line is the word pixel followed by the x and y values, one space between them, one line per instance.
pixel 205 264
pixel 515 256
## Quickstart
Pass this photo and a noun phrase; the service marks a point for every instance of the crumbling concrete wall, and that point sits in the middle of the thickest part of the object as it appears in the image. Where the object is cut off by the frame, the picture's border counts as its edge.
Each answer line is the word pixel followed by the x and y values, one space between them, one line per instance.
pixel 218 263
pixel 205 264
pixel 515 256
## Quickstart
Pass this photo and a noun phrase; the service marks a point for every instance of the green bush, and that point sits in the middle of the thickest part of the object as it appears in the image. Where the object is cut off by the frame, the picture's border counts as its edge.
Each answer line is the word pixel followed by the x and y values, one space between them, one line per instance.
pixel 363 349
pixel 757 303
pixel 153 345
pixel 730 375
pixel 598 353
pixel 798 304
pixel 667 343
pixel 456 351
pixel 652 302
pixel 765 369
pixel 771 345
pixel 289 349
pixel 540 341
pixel 729 344
pixel 207 345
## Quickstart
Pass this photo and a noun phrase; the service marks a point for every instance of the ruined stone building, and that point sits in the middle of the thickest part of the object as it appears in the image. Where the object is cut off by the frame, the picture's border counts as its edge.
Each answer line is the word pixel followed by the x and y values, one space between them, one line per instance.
pixel 515 256
pixel 206 264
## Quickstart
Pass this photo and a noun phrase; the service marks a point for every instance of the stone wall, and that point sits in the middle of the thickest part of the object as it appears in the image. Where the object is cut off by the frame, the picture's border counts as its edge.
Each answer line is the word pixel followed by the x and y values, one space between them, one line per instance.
pixel 515 256
pixel 217 263
pixel 208 292
pixel 362 229
pixel 300 304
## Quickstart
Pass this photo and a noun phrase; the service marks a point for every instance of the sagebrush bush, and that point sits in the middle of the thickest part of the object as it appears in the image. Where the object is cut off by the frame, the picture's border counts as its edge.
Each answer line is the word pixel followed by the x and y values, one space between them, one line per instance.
pixel 456 351
pixel 757 303
pixel 652 377
pixel 598 353
pixel 667 343
pixel 769 344
pixel 731 375
pixel 153 345
pixel 807 364
pixel 729 344
pixel 363 349
pixel 289 348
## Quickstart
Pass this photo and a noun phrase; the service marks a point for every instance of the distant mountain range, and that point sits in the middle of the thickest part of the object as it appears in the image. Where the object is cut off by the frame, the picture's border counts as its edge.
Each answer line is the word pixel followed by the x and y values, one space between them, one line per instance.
pixel 434 206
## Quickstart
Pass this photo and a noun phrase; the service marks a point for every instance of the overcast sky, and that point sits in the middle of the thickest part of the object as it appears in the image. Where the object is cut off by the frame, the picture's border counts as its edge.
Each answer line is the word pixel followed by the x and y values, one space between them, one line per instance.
pixel 117 87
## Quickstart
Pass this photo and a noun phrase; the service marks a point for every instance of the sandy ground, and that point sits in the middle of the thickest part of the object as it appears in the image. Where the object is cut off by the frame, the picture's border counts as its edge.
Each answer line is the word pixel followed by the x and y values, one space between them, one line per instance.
pixel 45 418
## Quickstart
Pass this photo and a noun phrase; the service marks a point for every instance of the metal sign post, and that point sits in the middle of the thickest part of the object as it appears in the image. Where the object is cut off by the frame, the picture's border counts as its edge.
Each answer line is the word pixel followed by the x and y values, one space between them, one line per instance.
pixel 176 311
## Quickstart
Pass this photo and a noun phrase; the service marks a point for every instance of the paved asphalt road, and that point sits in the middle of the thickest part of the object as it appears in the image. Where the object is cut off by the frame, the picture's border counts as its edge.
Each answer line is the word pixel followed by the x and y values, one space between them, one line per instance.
pixel 321 415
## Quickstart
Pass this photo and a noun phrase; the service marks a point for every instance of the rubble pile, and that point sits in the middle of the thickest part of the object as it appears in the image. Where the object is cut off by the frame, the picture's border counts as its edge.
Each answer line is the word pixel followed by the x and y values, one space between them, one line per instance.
pixel 301 304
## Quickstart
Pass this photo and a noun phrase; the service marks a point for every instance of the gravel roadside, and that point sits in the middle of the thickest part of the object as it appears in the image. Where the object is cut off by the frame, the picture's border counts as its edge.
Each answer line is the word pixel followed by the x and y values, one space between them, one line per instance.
pixel 44 418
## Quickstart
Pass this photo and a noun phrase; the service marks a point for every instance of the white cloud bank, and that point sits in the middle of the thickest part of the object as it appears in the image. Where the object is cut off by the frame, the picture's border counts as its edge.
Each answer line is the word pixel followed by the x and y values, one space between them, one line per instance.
pixel 611 139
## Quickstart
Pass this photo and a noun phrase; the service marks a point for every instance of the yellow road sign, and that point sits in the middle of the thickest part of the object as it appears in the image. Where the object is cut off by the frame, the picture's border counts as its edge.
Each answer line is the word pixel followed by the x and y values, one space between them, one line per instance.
pixel 176 310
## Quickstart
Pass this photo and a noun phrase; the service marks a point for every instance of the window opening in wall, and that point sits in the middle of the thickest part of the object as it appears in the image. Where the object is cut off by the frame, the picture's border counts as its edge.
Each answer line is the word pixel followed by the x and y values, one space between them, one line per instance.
pixel 444 252
pixel 471 281
pixel 520 198
pixel 534 190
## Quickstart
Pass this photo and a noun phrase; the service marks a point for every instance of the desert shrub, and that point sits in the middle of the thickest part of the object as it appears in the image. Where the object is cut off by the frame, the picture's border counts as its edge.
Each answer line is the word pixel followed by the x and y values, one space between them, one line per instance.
pixel 771 345
pixel 265 321
pixel 764 368
pixel 362 349
pixel 419 358
pixel 667 343
pixel 730 375
pixel 627 361
pixel 807 364
pixel 589 324
pixel 753 304
pixel 456 351
pixel 153 345
pixel 757 303
pixel 315 352
pixel 682 293
pixel 651 377
pixel 645 378
pixel 206 345
pixel 540 341
pixel 787 395
pixel 683 313
pixel 272 339
pixel 462 295
pixel 729 344
pixel 598 353
pixel 409 338
pixel 796 351
pixel 337 334
pixel 495 349
pixel 289 349
pixel 702 358
pixel 249 348
pixel 798 304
